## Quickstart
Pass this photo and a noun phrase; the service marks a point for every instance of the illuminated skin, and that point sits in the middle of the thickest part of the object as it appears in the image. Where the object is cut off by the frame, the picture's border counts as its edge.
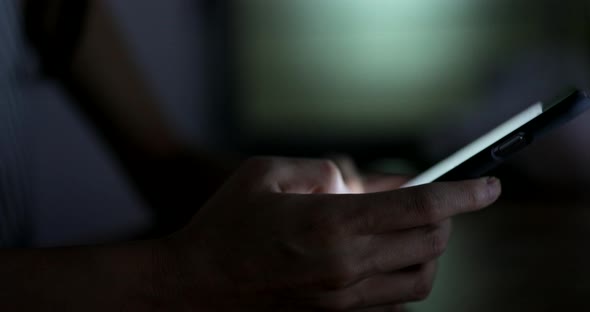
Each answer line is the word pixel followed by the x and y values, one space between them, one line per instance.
pixel 279 235
pixel 477 146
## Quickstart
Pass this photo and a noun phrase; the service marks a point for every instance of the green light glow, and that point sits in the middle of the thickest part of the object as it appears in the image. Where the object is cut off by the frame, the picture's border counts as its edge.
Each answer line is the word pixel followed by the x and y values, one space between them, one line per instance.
pixel 340 66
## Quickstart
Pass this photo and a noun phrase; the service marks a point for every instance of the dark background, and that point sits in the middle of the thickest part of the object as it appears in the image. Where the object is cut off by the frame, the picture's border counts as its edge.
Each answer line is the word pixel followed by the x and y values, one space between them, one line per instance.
pixel 527 253
pixel 83 196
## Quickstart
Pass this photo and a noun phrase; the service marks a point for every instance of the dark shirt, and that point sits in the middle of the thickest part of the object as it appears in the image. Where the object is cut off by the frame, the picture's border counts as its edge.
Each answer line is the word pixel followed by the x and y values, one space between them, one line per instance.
pixel 15 177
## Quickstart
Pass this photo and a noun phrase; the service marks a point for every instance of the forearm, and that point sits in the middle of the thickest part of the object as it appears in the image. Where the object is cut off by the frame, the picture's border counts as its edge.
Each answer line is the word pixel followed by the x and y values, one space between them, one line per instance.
pixel 79 279
pixel 173 177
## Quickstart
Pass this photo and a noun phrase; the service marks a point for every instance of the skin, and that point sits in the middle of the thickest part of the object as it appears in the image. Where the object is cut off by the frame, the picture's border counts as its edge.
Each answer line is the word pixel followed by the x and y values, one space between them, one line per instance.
pixel 304 243
pixel 278 235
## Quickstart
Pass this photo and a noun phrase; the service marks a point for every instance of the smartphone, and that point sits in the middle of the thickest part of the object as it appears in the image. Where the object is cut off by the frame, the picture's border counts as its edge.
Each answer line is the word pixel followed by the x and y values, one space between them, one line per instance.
pixel 490 150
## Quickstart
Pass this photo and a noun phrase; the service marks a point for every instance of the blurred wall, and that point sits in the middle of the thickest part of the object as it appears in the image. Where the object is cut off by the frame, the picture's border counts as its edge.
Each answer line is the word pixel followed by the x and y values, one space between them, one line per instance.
pixel 82 196
pixel 344 69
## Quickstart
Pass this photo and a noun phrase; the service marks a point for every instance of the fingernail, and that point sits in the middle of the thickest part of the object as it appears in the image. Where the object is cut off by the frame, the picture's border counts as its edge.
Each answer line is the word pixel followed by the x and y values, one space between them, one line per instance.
pixel 492 180
pixel 493 185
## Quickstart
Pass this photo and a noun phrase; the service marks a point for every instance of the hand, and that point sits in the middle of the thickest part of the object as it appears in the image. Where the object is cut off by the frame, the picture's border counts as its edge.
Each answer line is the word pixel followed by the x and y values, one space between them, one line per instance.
pixel 371 183
pixel 284 235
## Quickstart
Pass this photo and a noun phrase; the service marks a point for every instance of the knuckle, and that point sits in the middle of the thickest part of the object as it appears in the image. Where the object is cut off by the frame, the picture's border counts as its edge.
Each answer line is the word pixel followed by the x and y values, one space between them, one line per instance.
pixel 425 206
pixel 330 174
pixel 423 285
pixel 328 168
pixel 436 242
pixel 263 170
pixel 340 275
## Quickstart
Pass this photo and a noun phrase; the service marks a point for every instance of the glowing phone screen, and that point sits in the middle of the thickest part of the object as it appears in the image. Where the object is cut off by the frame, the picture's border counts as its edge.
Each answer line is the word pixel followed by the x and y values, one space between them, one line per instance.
pixel 477 146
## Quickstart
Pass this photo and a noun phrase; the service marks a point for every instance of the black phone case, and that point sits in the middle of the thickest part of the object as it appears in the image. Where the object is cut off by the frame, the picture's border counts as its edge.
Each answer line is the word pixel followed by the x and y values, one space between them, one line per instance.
pixel 483 162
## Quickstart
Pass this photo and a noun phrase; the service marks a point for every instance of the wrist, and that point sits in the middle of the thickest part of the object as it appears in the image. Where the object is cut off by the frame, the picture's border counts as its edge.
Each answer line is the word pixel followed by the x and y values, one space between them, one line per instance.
pixel 183 275
pixel 165 286
pixel 159 283
pixel 137 277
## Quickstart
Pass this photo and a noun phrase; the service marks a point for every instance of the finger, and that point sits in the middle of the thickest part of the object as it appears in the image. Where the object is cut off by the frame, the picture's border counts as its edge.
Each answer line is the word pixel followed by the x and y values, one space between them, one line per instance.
pixel 382 183
pixel 411 207
pixel 394 288
pixel 380 290
pixel 395 251
pixel 373 183
pixel 350 173
pixel 299 176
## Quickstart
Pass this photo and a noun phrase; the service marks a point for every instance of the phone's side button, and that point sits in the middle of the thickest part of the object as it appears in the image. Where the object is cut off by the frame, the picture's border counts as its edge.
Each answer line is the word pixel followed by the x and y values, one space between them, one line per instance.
pixel 510 146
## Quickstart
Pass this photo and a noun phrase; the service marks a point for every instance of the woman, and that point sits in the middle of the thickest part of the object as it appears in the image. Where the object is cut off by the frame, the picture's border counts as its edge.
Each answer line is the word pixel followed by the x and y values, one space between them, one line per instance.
pixel 279 235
